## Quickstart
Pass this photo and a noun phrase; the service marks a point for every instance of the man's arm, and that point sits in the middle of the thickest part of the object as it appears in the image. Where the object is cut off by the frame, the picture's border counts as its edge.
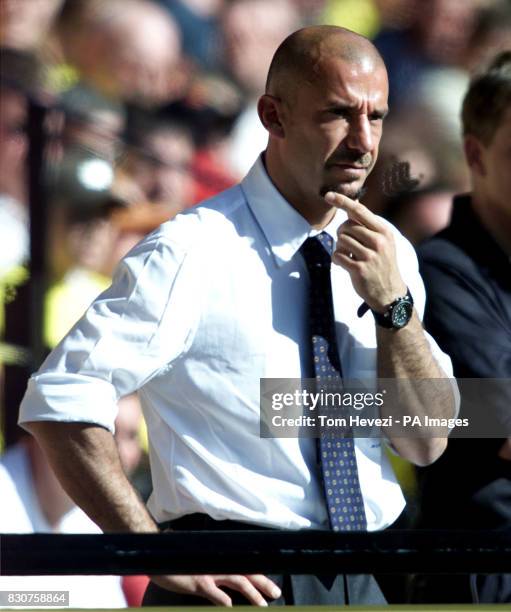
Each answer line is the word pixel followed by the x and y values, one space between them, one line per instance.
pixel 86 462
pixel 406 354
pixel 367 251
pixel 85 459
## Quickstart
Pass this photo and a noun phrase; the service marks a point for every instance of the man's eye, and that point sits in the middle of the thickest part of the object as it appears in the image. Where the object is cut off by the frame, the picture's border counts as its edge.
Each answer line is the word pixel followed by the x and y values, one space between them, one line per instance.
pixel 339 112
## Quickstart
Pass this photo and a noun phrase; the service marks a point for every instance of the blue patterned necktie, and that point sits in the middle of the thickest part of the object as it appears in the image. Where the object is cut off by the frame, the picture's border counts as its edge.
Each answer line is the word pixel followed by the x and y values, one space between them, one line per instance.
pixel 337 453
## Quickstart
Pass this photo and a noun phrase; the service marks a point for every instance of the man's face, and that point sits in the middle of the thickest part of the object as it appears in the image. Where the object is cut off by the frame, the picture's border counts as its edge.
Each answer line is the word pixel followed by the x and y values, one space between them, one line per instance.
pixel 496 165
pixel 164 173
pixel 333 128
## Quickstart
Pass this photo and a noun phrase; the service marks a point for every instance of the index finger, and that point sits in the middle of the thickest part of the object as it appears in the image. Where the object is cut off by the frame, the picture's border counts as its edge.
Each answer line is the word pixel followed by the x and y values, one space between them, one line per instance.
pixel 356 211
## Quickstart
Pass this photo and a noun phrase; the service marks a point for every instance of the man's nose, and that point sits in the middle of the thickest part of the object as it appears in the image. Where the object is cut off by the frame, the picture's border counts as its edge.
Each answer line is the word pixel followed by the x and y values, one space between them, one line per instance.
pixel 360 137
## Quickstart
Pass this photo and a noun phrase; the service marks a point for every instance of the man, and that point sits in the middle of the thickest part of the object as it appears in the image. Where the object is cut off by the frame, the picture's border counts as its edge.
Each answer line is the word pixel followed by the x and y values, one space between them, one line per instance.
pixel 467 272
pixel 219 298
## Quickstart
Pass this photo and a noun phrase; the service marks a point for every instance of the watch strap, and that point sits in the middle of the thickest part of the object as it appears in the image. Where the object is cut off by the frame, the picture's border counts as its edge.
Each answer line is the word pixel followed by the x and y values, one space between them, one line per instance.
pixel 385 319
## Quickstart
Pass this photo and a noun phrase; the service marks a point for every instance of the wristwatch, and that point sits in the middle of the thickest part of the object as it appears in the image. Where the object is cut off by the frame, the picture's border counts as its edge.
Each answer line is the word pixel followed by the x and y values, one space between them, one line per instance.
pixel 396 315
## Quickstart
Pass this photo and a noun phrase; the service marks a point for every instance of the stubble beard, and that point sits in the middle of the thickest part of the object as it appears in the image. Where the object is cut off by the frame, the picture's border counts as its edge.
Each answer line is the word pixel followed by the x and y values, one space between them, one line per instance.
pixel 345 189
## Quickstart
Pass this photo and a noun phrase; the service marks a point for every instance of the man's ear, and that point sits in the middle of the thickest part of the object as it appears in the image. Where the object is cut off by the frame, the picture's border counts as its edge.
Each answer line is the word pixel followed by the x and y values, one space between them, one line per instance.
pixel 269 109
pixel 473 148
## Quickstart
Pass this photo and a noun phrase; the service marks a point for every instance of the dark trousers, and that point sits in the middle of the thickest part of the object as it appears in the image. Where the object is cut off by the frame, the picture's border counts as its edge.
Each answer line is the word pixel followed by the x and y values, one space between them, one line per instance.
pixel 461 589
pixel 296 589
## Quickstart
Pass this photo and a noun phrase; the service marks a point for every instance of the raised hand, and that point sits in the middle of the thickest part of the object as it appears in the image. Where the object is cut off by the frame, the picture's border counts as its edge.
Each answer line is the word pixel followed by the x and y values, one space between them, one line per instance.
pixel 366 249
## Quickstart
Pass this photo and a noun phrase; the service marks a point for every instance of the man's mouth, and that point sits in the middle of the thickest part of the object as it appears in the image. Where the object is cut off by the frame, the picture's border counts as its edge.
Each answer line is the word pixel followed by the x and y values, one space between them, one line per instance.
pixel 351 166
pixel 360 162
pixel 348 167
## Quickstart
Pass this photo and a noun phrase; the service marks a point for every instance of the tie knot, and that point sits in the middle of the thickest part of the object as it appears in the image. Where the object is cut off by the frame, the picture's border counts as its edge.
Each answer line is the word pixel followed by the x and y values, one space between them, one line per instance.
pixel 317 251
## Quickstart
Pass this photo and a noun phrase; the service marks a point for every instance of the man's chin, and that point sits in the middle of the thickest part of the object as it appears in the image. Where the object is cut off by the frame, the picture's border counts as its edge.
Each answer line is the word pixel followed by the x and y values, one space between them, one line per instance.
pixel 353 190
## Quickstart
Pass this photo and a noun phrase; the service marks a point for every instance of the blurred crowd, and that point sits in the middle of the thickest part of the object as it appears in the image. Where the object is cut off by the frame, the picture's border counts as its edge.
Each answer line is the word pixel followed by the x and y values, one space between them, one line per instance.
pixel 150 107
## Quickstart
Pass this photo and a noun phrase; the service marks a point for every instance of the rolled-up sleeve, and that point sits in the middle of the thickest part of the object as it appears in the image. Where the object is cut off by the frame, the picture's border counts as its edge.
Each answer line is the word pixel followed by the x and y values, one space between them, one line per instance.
pixel 137 326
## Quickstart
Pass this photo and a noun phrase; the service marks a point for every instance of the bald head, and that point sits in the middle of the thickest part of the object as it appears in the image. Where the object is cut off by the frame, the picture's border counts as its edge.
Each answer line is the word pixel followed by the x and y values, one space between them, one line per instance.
pixel 301 56
pixel 127 49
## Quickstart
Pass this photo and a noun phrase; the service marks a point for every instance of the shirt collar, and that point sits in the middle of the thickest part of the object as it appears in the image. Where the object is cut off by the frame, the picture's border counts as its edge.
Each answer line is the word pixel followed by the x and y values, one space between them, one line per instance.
pixel 282 225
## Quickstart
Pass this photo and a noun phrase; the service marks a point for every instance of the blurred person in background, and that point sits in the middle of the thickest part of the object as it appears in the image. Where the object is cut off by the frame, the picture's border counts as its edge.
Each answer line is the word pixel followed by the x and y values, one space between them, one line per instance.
pixel 198 21
pixel 467 272
pixel 407 163
pixel 14 235
pixel 210 109
pixel 251 39
pixel 126 49
pixel 491 35
pixel 25 24
pixel 14 218
pixel 252 31
pixel 92 123
pixel 78 181
pixel 443 28
pixel 431 120
pixel 427 81
pixel 438 36
pixel 20 82
pixel 154 180
pixel 420 214
pixel 431 54
pixel 82 238
pixel 83 145
pixel 33 501
pixel 310 11
pixel 432 110
pixel 156 166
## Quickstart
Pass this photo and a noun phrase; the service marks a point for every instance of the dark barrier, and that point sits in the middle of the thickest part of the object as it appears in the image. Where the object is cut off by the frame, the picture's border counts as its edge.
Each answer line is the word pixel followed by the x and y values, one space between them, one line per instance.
pixel 300 552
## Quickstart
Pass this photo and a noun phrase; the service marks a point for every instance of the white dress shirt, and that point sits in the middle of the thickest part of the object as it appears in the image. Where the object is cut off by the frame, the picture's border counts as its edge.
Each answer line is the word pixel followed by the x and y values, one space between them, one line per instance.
pixel 197 313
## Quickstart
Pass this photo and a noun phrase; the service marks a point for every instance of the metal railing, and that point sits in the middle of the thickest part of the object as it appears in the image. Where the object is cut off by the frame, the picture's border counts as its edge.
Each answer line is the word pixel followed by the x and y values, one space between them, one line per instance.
pixel 299 552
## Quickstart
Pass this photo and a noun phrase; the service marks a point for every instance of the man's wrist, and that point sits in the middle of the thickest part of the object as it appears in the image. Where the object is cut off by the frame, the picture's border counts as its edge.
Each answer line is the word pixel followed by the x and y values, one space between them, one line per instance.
pixel 395 314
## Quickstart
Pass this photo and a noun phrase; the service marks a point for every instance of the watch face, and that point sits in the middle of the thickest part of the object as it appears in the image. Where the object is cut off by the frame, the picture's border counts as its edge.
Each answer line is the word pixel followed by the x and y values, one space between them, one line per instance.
pixel 401 314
